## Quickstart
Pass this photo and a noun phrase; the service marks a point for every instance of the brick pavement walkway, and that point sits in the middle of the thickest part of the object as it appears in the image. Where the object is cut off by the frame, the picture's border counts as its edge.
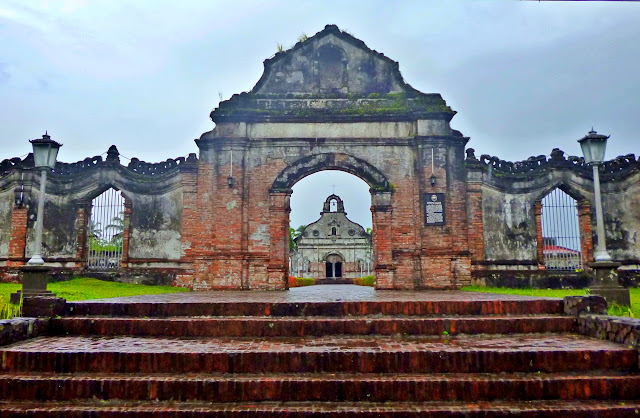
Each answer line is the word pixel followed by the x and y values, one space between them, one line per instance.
pixel 324 293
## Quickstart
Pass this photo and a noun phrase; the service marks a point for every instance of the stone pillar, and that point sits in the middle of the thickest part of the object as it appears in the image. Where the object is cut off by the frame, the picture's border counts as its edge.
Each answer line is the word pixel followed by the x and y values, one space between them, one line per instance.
pixel 277 269
pixel 191 218
pixel 586 235
pixel 476 227
pixel 82 220
pixel 126 232
pixel 18 239
pixel 382 211
pixel 540 238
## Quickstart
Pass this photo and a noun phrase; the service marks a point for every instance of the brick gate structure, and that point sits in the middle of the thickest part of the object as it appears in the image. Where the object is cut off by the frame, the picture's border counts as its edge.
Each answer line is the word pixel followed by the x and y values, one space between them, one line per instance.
pixel 442 217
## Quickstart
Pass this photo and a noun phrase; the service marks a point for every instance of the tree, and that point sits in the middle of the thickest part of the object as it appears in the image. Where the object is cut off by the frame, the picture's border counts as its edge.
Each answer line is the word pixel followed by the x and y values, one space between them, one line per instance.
pixel 117 226
pixel 293 235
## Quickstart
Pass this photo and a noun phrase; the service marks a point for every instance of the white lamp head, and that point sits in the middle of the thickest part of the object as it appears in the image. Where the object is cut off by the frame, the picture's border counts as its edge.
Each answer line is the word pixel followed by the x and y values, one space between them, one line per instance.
pixel 45 151
pixel 593 147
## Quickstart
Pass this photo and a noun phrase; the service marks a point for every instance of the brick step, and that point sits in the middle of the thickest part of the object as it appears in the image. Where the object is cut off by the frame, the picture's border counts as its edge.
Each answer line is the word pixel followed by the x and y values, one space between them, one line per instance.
pixel 309 326
pixel 348 354
pixel 340 387
pixel 135 307
pixel 546 409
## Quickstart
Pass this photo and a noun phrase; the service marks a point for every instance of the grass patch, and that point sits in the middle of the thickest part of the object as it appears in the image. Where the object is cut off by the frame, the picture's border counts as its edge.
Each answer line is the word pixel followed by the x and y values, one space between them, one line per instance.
pixel 560 293
pixel 83 288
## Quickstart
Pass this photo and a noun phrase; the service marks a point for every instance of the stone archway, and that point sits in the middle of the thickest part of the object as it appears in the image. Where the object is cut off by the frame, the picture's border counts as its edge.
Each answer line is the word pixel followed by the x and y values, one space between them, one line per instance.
pixel 359 116
pixel 381 208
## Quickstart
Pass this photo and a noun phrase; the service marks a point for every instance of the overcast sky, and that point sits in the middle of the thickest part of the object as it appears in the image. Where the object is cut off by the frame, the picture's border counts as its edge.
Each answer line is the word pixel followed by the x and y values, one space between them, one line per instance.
pixel 525 77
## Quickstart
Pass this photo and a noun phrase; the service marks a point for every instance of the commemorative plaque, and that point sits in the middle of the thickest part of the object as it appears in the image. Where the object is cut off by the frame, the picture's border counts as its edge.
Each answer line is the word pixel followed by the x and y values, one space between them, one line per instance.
pixel 434 209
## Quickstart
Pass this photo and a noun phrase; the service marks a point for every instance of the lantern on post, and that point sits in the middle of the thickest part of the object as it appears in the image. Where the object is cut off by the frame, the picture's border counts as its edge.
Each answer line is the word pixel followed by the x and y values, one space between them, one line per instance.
pixel 45 152
pixel 606 276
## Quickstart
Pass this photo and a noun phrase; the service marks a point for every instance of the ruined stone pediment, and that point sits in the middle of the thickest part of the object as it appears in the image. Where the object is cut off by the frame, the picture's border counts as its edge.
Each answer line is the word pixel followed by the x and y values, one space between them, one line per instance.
pixel 331 62
pixel 331 76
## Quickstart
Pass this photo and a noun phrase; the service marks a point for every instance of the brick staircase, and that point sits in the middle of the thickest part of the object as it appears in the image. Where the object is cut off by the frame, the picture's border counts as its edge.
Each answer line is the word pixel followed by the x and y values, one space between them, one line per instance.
pixel 395 355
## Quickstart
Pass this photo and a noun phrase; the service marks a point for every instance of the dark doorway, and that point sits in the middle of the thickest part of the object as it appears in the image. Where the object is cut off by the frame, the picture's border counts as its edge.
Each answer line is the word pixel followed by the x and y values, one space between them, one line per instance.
pixel 338 268
pixel 333 266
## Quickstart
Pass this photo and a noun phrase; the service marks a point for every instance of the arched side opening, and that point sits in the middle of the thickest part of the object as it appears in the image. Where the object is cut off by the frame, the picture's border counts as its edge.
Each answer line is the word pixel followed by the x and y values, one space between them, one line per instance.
pixel 361 261
pixel 106 231
pixel 561 236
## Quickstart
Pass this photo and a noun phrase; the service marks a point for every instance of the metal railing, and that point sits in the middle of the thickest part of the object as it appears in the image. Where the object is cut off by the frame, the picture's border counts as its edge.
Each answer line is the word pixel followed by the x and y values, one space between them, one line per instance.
pixel 561 232
pixel 105 231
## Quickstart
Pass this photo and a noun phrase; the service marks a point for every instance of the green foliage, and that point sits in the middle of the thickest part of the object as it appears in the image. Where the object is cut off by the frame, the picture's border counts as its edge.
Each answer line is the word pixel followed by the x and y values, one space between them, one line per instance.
pixel 303 37
pixel 364 281
pixel 620 310
pixel 305 281
pixel 97 240
pixel 9 310
pixel 293 234
pixel 369 231
pixel 280 48
pixel 614 309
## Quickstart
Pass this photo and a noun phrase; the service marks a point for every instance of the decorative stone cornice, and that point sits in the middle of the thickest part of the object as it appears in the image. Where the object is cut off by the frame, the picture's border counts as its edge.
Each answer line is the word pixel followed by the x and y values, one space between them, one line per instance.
pixel 618 168
pixel 135 166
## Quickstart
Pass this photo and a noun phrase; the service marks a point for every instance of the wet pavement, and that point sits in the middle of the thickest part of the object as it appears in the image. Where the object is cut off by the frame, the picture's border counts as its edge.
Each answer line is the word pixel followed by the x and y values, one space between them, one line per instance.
pixel 323 293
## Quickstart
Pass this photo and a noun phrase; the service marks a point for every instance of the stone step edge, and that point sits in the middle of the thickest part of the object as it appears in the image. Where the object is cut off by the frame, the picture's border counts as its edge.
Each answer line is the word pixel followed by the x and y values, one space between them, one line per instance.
pixel 339 376
pixel 311 361
pixel 368 317
pixel 467 409
pixel 372 388
pixel 310 308
pixel 315 326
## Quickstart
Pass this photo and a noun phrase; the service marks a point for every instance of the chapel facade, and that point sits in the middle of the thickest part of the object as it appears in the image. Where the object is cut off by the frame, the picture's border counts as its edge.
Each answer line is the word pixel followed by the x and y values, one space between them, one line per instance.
pixel 333 247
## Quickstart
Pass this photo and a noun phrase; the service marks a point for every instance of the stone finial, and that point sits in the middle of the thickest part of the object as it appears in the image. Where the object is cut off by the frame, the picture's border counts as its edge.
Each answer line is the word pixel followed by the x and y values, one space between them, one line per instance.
pixel 471 154
pixel 557 155
pixel 113 155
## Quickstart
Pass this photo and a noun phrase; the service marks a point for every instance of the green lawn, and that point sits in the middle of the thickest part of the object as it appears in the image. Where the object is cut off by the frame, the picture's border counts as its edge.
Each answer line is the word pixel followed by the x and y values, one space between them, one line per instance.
pixel 558 293
pixel 83 288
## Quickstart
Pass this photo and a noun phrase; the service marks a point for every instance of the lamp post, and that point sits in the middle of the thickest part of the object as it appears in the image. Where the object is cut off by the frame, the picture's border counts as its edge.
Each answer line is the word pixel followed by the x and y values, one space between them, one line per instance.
pixel 606 277
pixel 45 151
pixel 593 148
pixel 36 299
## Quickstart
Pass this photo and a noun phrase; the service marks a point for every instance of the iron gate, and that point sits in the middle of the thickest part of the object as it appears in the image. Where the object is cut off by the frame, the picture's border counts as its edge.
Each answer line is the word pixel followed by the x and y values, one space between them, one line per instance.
pixel 561 232
pixel 105 232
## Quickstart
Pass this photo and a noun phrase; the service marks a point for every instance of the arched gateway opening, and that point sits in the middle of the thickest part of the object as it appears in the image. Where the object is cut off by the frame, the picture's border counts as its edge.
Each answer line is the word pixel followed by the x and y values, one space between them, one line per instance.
pixel 379 187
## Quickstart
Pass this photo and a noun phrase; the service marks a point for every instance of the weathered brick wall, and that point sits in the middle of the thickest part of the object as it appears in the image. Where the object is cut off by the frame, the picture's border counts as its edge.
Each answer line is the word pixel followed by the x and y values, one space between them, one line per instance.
pixel 59 229
pixel 511 210
pixel 6 205
pixel 510 231
pixel 156 226
pixel 247 246
pixel 621 208
pixel 153 212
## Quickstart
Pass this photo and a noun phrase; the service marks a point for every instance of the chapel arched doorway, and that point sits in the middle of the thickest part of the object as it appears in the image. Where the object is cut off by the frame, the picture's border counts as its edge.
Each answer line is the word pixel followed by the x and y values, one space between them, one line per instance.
pixel 333 266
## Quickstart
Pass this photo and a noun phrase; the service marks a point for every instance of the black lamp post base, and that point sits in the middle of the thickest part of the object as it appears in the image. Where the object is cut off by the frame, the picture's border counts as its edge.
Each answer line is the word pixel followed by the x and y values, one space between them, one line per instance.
pixel 605 283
